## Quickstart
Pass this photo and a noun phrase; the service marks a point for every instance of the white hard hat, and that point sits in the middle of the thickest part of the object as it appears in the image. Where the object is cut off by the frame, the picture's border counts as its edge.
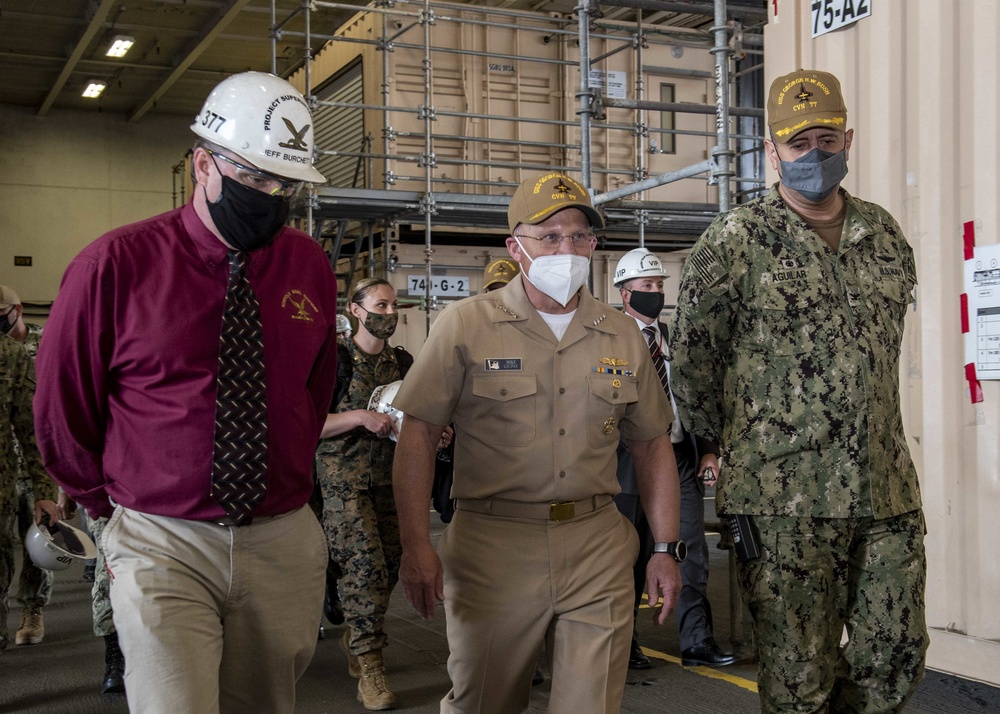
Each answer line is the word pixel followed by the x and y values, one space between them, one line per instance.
pixel 638 263
pixel 58 547
pixel 381 401
pixel 343 324
pixel 263 119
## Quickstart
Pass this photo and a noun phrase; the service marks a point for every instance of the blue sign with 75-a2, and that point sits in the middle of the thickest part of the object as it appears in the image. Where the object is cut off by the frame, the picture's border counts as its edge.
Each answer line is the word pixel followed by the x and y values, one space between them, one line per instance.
pixel 830 15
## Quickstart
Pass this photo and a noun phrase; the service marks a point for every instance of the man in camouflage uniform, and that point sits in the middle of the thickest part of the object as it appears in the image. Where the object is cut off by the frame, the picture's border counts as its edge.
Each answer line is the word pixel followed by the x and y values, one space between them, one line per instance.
pixel 17 388
pixel 34 584
pixel 785 348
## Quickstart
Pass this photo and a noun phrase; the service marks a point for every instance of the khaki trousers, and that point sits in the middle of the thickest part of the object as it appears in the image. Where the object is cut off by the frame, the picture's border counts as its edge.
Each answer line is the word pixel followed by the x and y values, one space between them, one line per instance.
pixel 512 583
pixel 214 618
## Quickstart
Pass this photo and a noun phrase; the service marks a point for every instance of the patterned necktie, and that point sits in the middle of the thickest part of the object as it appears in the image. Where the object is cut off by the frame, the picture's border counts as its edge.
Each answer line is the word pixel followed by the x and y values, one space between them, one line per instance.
pixel 650 332
pixel 657 354
pixel 239 462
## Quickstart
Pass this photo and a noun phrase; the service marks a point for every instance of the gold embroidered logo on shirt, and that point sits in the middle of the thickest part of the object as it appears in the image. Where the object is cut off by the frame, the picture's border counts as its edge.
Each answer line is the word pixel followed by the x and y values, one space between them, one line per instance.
pixel 302 304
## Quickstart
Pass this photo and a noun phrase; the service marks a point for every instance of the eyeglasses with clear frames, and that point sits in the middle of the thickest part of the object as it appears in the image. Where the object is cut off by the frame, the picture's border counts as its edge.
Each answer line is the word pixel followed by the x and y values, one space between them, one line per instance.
pixel 554 240
pixel 260 180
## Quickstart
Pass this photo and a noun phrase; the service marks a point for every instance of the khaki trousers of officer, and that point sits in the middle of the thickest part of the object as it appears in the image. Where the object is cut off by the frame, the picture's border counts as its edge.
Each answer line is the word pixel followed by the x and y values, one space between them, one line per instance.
pixel 214 618
pixel 511 583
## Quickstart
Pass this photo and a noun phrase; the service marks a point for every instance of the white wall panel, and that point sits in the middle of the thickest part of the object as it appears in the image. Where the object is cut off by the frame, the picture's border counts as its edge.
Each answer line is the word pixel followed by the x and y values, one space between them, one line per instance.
pixel 920 79
pixel 69 177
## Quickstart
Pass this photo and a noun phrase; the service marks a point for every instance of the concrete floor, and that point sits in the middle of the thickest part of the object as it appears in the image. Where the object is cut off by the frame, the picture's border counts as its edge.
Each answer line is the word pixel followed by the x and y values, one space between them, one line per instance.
pixel 62 674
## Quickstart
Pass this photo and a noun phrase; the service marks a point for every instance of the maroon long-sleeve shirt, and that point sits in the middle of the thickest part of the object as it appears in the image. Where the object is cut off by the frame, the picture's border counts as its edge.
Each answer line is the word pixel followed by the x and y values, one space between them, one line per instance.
pixel 125 403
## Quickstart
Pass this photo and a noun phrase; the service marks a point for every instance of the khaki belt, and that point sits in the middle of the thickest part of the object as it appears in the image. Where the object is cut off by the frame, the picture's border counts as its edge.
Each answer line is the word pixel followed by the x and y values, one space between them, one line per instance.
pixel 554 511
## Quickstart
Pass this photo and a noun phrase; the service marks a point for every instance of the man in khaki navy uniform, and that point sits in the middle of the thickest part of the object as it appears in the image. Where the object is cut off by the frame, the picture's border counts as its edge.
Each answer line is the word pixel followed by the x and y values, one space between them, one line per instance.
pixel 540 381
pixel 785 349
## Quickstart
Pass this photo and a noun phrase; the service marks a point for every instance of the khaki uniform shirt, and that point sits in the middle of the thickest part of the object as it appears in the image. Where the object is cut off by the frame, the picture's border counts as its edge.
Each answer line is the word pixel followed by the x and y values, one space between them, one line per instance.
pixel 535 420
pixel 17 388
pixel 788 353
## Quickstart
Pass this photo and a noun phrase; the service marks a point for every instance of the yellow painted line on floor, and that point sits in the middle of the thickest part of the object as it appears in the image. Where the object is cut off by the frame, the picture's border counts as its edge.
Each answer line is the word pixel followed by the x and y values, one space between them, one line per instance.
pixel 709 672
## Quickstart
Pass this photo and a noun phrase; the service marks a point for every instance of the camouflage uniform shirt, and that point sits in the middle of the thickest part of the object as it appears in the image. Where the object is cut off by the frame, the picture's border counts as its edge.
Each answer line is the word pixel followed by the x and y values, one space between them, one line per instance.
pixel 30 344
pixel 787 352
pixel 17 388
pixel 364 459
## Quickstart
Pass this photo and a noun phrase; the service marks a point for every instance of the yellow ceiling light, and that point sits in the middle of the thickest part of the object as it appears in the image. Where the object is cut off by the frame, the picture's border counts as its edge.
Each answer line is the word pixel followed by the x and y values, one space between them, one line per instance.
pixel 120 45
pixel 94 88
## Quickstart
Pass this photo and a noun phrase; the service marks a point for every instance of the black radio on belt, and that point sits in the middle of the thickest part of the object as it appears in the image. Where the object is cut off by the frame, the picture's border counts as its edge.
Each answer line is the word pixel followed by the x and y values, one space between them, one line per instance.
pixel 744 537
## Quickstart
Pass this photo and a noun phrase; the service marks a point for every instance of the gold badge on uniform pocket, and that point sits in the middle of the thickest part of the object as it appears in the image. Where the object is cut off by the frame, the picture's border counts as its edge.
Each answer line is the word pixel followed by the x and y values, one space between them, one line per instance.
pixel 609 425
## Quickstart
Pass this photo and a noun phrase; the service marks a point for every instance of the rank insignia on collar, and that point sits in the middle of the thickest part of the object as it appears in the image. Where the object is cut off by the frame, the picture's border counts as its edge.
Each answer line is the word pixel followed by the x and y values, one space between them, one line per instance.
pixel 614 361
pixel 503 308
pixel 599 320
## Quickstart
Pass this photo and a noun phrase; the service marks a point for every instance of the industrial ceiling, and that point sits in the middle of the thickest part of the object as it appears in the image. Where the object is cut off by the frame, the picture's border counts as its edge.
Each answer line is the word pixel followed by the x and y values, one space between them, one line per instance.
pixel 51 49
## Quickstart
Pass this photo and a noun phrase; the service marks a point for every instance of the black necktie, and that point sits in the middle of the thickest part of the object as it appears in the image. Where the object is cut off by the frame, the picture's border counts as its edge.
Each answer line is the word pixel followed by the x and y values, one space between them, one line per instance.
pixel 657 354
pixel 239 462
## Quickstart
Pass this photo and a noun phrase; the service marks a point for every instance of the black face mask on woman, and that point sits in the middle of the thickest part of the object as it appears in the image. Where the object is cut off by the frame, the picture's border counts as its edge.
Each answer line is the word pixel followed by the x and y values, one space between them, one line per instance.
pixel 248 219
pixel 646 304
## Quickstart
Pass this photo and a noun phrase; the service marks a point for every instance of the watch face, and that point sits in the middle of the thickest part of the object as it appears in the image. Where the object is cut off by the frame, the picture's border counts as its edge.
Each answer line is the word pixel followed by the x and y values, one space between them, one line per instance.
pixel 680 551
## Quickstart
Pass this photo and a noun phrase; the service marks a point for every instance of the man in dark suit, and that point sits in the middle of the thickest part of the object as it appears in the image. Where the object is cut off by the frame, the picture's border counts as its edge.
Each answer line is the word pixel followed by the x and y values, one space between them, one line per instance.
pixel 639 277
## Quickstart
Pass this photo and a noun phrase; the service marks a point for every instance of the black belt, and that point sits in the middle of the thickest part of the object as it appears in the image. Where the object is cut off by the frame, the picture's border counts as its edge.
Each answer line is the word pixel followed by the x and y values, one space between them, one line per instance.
pixel 552 511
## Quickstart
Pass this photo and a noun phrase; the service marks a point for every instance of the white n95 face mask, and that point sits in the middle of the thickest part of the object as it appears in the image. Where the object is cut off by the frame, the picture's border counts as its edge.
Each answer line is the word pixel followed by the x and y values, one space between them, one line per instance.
pixel 559 276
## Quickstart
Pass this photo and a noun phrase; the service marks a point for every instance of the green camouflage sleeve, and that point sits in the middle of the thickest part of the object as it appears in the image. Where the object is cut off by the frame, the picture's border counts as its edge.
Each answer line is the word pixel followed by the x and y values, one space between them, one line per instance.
pixel 23 423
pixel 700 333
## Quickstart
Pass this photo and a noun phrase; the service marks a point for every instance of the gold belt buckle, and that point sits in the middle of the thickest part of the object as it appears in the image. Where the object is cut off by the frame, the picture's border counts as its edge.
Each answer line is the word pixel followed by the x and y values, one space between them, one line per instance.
pixel 562 511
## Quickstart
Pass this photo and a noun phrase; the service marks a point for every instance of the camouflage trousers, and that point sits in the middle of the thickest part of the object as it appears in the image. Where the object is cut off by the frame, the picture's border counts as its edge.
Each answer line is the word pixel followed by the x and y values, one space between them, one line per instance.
pixel 818 576
pixel 7 546
pixel 362 531
pixel 34 587
pixel 100 594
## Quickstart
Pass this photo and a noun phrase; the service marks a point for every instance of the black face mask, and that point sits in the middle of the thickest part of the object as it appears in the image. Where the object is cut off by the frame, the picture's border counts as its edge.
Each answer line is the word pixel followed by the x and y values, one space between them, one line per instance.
pixel 5 324
pixel 247 218
pixel 646 304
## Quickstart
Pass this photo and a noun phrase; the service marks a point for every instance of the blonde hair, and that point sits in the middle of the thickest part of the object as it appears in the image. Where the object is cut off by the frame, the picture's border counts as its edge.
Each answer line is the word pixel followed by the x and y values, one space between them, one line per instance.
pixel 365 286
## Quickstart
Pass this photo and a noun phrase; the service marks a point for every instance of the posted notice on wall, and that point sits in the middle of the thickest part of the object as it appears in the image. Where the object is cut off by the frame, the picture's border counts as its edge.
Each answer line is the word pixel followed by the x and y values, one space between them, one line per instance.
pixel 982 286
pixel 613 82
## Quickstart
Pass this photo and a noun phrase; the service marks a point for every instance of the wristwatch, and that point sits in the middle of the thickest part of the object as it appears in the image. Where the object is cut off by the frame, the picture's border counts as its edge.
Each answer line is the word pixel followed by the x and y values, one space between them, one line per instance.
pixel 678 549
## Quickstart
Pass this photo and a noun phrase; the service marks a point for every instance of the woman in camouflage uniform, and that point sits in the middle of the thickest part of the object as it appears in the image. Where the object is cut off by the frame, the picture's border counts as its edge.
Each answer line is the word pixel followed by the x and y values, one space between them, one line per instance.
pixel 354 467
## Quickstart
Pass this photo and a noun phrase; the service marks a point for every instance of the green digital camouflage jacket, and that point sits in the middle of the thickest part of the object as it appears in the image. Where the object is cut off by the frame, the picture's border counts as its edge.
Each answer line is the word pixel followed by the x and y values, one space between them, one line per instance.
pixel 787 353
pixel 17 388
pixel 359 457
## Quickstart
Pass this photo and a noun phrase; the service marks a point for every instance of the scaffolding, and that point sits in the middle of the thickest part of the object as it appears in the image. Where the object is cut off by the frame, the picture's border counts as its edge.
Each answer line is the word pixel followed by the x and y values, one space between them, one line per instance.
pixel 457 188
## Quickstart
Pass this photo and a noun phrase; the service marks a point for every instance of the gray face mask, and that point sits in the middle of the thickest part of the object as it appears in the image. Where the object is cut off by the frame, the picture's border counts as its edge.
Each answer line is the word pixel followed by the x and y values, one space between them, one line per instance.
pixel 815 175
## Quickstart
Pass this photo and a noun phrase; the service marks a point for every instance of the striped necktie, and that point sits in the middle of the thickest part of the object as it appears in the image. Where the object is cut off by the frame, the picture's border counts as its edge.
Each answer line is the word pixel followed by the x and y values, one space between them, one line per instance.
pixel 239 461
pixel 657 354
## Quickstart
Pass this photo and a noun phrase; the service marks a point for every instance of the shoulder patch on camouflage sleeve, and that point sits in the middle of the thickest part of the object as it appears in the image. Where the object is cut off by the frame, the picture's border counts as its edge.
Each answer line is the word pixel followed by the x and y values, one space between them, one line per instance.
pixel 706 265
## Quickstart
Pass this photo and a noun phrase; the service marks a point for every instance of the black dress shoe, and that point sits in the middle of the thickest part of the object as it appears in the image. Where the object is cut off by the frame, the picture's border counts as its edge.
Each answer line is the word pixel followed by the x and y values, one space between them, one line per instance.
pixel 706 653
pixel 114 669
pixel 636 658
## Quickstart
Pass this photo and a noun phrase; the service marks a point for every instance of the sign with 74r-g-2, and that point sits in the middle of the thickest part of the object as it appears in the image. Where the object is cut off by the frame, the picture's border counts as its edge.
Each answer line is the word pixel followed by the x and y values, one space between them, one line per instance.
pixel 830 15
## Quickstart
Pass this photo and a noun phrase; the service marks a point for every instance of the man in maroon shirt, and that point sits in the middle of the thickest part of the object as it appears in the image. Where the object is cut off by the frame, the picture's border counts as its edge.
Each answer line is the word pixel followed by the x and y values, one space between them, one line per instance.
pixel 211 610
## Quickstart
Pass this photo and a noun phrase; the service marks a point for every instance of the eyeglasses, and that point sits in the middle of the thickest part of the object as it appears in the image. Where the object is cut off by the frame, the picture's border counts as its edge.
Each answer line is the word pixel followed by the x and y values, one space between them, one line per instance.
pixel 260 180
pixel 554 240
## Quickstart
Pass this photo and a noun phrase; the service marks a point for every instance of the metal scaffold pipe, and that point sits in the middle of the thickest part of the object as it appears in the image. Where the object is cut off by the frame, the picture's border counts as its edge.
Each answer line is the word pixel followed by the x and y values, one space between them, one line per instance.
pixel 722 153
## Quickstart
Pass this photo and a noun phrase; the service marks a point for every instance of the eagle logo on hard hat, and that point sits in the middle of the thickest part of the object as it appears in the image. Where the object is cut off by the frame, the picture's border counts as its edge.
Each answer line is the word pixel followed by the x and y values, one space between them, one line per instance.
pixel 297 142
